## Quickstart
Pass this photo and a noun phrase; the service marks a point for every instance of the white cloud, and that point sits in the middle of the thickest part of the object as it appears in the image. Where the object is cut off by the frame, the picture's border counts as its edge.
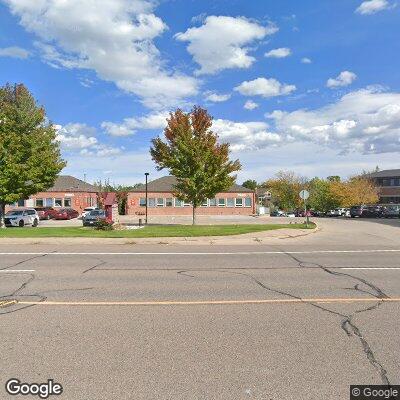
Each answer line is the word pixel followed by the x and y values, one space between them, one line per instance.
pixel 80 137
pixel 264 87
pixel 250 105
pixel 221 42
pixel 278 53
pixel 114 38
pixel 217 98
pixel 14 52
pixel 345 78
pixel 306 60
pixel 129 126
pixel 372 6
pixel 363 121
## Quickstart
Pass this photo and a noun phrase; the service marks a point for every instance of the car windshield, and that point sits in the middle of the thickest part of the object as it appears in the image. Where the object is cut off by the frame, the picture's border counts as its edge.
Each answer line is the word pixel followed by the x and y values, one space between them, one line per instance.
pixel 15 212
pixel 88 209
pixel 96 212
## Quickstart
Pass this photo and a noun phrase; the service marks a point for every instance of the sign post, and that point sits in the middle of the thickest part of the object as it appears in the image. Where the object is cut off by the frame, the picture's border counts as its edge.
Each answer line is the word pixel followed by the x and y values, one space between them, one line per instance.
pixel 305 194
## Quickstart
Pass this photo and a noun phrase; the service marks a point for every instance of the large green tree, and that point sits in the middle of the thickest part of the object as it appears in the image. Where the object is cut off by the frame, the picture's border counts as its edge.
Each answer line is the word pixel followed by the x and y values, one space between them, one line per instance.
pixel 29 153
pixel 250 184
pixel 322 197
pixel 192 154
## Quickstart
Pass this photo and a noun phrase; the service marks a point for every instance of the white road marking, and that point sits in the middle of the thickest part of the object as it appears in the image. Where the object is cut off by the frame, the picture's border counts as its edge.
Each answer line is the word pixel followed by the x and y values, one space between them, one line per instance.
pixel 372 268
pixel 16 270
pixel 205 253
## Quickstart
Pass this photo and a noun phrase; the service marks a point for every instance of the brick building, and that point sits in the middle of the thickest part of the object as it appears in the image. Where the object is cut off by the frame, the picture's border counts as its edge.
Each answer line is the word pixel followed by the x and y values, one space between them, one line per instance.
pixel 388 182
pixel 238 200
pixel 67 191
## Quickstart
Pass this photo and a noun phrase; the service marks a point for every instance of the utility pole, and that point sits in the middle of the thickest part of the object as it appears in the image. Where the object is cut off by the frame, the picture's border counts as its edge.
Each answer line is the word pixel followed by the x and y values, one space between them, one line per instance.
pixel 146 174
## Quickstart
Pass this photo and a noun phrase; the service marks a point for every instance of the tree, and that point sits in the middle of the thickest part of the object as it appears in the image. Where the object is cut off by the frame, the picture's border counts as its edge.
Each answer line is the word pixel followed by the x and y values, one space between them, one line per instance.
pixel 29 153
pixel 250 184
pixel 322 198
pixel 357 190
pixel 193 155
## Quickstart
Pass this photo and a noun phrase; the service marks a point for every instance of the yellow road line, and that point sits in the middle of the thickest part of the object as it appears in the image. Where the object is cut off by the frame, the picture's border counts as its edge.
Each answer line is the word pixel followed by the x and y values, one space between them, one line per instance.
pixel 7 303
pixel 205 302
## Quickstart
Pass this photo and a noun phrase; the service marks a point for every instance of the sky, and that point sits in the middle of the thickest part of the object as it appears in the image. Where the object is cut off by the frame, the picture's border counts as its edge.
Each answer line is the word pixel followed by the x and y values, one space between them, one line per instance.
pixel 310 86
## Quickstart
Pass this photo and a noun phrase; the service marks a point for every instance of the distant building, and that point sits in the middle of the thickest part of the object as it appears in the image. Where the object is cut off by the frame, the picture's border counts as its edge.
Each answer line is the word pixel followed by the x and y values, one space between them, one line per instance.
pixel 388 182
pixel 237 200
pixel 67 191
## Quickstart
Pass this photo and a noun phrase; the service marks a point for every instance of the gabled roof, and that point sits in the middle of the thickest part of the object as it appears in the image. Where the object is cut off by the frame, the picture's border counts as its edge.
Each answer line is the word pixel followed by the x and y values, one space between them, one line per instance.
pixel 385 174
pixel 166 184
pixel 67 183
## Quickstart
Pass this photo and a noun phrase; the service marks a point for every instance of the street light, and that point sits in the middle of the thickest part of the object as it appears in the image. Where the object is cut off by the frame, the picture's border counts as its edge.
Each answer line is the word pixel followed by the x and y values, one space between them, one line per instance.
pixel 146 174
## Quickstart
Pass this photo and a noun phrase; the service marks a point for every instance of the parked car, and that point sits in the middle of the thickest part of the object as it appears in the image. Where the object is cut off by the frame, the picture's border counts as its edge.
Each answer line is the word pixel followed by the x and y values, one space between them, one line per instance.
pixel 93 216
pixel 277 213
pixel 66 213
pixel 391 212
pixel 291 214
pixel 21 218
pixel 334 213
pixel 45 212
pixel 87 210
pixel 356 211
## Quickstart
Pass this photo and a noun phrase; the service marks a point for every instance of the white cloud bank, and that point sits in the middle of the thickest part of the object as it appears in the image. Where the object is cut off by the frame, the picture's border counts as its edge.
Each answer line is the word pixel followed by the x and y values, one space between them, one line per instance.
pixel 250 105
pixel 264 87
pixel 345 78
pixel 217 97
pixel 222 42
pixel 113 38
pixel 372 6
pixel 282 52
pixel 14 52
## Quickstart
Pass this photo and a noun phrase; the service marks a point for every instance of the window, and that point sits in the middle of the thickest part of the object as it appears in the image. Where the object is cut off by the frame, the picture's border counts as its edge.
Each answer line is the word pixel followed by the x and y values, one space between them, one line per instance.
pixel 221 202
pixel 204 203
pixel 160 202
pixel 186 204
pixel 392 182
pixel 213 202
pixel 67 202
pixel 152 202
pixel 21 203
pixel 49 202
pixel 169 202
pixel 142 202
pixel 238 202
pixel 230 202
pixel 247 202
pixel 178 203
pixel 58 203
pixel 31 212
pixel 39 202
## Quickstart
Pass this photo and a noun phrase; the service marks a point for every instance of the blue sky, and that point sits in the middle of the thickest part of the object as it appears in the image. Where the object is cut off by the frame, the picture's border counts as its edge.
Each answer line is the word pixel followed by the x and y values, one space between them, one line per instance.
pixel 310 86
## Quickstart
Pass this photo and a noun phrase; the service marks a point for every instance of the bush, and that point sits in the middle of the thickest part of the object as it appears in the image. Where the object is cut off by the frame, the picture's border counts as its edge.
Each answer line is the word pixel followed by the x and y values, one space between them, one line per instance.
pixel 103 225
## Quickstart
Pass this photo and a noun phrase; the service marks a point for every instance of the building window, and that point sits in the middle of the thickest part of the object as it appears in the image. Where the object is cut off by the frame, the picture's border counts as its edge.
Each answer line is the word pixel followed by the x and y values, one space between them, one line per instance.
pixel 238 202
pixel 67 202
pixel 178 203
pixel 152 202
pixel 204 203
pixel 49 202
pixel 39 202
pixel 230 202
pixel 247 202
pixel 142 202
pixel 21 203
pixel 160 202
pixel 169 202
pixel 58 203
pixel 221 202
pixel 213 202
pixel 186 204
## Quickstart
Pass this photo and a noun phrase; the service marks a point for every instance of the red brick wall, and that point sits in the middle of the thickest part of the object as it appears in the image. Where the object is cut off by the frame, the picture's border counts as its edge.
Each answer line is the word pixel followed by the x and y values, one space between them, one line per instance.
pixel 79 200
pixel 133 207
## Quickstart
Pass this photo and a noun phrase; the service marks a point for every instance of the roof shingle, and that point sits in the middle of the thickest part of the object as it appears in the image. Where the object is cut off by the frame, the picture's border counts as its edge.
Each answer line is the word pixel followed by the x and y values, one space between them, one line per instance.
pixel 68 183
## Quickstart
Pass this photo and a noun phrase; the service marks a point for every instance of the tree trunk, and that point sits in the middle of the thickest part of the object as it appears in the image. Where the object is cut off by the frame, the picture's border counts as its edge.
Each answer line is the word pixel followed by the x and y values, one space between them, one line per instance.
pixel 194 216
pixel 2 209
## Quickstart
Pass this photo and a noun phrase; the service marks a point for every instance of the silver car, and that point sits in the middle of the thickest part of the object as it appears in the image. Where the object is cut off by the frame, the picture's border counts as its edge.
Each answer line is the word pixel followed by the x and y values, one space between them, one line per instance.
pixel 21 218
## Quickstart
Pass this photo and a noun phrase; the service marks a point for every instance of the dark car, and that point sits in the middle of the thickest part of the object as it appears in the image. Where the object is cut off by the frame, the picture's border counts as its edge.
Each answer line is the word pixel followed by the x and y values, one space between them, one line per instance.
pixel 366 211
pixel 391 212
pixel 65 213
pixel 357 211
pixel 93 216
pixel 45 212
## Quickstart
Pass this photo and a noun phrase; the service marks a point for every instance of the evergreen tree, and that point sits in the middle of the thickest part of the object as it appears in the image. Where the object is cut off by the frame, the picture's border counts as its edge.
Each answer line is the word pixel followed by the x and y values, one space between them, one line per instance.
pixel 193 155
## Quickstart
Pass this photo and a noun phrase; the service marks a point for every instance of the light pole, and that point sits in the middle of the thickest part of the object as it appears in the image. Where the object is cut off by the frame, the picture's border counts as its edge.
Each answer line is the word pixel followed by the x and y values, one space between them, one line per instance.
pixel 146 174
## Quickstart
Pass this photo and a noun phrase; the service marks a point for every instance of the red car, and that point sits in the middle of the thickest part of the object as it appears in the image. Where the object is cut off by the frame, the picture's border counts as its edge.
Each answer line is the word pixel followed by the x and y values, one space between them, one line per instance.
pixel 45 212
pixel 65 213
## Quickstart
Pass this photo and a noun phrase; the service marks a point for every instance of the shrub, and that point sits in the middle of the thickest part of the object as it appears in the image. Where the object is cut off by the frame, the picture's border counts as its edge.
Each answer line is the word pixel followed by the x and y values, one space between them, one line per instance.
pixel 103 225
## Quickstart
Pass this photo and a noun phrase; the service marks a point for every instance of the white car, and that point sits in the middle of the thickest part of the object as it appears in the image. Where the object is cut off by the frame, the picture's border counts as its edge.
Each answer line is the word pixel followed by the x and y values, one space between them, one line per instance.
pixel 21 218
pixel 87 210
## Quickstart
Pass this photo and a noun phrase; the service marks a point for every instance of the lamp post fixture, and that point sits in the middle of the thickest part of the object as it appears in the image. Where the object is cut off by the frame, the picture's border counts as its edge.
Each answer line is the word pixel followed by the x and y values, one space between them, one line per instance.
pixel 146 174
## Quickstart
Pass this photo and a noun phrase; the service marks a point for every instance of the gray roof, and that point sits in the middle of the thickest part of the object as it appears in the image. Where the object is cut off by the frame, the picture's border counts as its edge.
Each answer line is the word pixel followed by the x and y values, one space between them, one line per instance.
pixel 385 174
pixel 166 184
pixel 67 183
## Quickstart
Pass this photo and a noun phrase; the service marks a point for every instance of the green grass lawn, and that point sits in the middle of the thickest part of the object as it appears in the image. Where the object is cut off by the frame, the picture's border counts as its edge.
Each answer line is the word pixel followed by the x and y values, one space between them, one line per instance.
pixel 149 231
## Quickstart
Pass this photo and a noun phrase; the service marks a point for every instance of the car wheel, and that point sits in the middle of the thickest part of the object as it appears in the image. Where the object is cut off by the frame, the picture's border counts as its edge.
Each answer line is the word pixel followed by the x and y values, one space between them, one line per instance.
pixel 21 223
pixel 35 223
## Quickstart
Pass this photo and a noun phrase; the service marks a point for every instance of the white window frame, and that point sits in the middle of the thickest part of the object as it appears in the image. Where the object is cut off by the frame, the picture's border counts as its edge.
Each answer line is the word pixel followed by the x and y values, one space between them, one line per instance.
pixel 61 202
pixel 36 204
pixel 214 200
pixel 230 202
pixel 149 202
pixel 218 202
pixel 251 202
pixel 236 202
pixel 140 201
pixel 171 200
pixel 70 202
pixel 160 204
pixel 186 204
pixel 205 203
pixel 178 203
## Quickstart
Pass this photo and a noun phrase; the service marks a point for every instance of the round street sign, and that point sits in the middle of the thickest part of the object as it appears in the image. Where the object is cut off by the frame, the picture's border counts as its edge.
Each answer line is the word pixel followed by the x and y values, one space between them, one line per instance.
pixel 304 194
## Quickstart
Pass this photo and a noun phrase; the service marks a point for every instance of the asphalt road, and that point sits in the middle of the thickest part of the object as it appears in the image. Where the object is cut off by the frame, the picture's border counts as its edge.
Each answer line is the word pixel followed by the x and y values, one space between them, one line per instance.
pixel 298 319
